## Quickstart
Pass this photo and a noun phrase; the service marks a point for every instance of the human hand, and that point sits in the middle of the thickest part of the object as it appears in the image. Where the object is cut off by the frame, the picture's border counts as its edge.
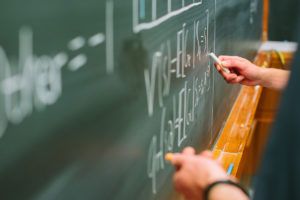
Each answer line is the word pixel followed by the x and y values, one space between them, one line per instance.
pixel 195 172
pixel 241 71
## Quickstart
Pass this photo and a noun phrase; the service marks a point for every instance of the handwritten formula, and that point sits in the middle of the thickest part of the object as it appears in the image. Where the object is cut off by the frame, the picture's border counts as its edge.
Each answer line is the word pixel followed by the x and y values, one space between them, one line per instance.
pixel 38 81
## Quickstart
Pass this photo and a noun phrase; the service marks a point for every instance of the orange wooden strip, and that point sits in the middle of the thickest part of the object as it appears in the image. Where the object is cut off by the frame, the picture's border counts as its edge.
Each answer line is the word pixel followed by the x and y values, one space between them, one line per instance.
pixel 265 22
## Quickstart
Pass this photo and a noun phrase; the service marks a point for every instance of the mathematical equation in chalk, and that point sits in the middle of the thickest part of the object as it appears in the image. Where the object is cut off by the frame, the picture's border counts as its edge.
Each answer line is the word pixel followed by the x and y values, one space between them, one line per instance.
pixel 38 80
pixel 164 67
pixel 140 7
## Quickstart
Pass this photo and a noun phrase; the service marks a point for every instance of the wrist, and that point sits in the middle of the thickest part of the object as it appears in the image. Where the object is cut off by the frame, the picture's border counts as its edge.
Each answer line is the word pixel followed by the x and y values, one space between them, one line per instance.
pixel 221 176
pixel 273 78
pixel 261 75
pixel 225 188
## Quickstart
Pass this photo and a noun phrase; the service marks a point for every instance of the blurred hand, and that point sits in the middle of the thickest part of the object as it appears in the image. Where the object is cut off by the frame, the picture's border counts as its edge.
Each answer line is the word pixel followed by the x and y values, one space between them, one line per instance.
pixel 241 71
pixel 195 172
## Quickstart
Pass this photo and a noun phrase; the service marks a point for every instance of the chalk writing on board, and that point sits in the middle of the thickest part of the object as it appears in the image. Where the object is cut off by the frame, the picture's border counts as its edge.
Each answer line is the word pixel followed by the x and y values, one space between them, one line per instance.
pixel 161 67
pixel 38 82
pixel 162 63
pixel 137 26
pixel 185 103
pixel 110 37
pixel 253 10
pixel 173 131
pixel 182 57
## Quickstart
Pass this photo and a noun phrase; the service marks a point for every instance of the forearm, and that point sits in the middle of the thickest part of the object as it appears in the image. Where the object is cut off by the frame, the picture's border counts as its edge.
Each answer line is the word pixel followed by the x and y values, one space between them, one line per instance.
pixel 276 79
pixel 226 192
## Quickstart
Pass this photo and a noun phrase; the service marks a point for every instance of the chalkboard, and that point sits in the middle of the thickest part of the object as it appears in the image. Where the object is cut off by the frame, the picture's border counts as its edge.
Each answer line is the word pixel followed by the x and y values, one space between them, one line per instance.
pixel 284 27
pixel 94 93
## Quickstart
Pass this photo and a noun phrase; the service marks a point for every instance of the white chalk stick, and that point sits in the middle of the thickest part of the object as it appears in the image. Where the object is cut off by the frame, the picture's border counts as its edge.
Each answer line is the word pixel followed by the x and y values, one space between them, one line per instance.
pixel 219 62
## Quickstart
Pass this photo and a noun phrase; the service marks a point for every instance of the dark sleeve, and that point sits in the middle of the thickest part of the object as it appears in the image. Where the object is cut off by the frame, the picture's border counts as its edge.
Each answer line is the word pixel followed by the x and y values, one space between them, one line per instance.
pixel 279 176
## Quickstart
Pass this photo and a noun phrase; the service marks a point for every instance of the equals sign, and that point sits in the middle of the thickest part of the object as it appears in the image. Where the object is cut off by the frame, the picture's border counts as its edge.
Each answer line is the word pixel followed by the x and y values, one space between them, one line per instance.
pixel 81 59
pixel 79 42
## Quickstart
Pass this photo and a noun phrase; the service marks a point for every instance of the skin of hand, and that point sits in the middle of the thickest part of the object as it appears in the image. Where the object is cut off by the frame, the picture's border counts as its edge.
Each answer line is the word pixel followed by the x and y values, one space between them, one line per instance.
pixel 195 172
pixel 241 71
pixel 244 72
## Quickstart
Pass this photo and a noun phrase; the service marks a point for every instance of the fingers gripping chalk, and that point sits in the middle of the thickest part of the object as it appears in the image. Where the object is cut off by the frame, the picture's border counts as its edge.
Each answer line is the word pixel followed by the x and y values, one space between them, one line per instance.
pixel 169 157
pixel 213 56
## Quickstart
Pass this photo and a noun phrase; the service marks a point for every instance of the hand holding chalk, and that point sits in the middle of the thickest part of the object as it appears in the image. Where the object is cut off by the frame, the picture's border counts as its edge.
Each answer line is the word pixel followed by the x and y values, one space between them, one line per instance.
pixel 194 172
pixel 242 71
pixel 213 56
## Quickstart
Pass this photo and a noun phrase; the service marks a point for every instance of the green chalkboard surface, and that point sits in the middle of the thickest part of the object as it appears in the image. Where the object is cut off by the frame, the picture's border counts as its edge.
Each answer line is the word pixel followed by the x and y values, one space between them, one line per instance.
pixel 283 20
pixel 94 93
